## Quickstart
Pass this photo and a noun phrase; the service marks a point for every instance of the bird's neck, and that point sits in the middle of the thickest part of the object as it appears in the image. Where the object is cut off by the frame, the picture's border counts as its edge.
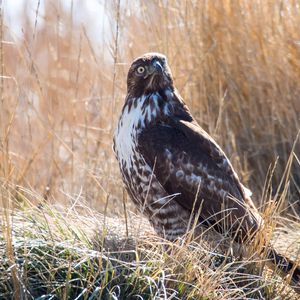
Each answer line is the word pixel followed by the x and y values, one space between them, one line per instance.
pixel 158 107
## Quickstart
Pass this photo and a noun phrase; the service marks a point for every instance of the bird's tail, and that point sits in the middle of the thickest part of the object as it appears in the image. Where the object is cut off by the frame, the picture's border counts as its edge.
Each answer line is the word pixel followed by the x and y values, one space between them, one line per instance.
pixel 286 266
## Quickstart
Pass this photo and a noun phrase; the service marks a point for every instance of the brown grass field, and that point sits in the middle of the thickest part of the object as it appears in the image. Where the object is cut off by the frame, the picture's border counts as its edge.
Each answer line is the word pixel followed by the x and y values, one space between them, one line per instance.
pixel 62 86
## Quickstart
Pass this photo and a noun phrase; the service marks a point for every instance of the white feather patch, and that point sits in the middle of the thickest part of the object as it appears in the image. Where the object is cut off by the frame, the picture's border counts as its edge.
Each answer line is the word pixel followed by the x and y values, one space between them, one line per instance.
pixel 247 192
pixel 127 130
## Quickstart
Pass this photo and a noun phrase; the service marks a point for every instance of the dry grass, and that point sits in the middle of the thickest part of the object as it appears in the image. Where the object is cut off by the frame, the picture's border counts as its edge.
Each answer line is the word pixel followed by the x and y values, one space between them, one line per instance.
pixel 53 253
pixel 237 65
pixel 62 86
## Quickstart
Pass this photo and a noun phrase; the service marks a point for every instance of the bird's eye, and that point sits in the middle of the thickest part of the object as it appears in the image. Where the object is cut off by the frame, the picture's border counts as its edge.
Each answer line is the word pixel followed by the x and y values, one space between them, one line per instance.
pixel 140 70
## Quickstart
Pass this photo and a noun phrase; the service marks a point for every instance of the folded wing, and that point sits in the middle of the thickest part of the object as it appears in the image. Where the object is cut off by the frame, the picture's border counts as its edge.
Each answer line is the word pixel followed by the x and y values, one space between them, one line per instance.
pixel 189 162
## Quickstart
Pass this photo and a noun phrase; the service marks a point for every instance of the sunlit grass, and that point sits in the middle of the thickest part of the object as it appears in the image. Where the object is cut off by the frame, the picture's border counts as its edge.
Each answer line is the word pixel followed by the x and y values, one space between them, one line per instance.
pixel 53 252
pixel 236 64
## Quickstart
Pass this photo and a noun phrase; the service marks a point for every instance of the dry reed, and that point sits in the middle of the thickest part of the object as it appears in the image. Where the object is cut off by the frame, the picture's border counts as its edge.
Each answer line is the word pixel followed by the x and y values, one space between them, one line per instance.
pixel 63 83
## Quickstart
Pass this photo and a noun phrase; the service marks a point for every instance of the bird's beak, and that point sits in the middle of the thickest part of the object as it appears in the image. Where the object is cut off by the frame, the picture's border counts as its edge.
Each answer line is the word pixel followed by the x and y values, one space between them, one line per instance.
pixel 155 67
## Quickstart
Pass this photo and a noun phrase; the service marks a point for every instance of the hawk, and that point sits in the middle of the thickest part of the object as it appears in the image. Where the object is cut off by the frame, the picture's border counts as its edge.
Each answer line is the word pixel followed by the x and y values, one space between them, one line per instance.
pixel 173 170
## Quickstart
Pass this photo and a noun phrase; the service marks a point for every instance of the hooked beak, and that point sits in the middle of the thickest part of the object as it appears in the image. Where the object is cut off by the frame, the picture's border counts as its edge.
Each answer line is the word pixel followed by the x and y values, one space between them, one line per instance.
pixel 155 67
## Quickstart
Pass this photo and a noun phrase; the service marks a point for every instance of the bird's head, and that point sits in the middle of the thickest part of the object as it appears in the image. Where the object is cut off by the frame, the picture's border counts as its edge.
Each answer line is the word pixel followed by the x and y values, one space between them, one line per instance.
pixel 149 73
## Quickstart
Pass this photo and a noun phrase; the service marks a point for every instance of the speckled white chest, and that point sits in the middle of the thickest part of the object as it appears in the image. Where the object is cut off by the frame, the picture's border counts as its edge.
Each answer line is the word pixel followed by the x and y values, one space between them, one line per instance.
pixel 133 166
pixel 132 163
pixel 125 138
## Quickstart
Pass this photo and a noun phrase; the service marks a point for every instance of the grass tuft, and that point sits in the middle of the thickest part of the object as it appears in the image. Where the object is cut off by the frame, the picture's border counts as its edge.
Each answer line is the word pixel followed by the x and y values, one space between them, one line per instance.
pixel 62 86
pixel 50 252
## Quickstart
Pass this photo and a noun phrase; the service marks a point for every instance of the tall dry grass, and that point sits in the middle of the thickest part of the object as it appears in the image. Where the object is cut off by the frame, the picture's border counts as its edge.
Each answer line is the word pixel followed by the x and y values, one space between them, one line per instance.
pixel 236 63
pixel 50 253
pixel 62 86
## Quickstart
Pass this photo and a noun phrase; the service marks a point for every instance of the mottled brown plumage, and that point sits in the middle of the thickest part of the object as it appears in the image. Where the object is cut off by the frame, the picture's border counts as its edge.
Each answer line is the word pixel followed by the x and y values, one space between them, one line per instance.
pixel 172 168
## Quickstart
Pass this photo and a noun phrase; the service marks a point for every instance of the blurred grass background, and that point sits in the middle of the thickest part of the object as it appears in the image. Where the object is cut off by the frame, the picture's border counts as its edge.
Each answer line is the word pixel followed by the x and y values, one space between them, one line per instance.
pixel 63 67
pixel 63 83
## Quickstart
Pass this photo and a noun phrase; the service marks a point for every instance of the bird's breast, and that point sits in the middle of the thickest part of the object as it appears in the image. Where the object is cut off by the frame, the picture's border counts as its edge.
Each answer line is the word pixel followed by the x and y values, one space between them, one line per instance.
pixel 137 115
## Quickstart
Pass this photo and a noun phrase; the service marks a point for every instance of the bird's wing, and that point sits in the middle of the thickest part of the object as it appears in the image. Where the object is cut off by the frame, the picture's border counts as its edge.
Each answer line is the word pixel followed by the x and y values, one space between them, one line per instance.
pixel 186 160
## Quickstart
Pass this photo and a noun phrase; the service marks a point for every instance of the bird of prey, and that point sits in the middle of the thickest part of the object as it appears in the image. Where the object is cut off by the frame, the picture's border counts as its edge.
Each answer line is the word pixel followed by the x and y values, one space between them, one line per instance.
pixel 173 170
